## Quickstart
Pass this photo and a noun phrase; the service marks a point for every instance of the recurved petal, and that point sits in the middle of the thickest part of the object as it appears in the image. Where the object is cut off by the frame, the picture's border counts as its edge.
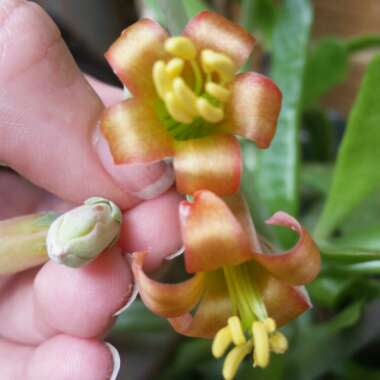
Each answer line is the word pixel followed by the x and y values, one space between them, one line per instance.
pixel 253 109
pixel 133 54
pixel 134 133
pixel 166 300
pixel 212 163
pixel 211 234
pixel 283 302
pixel 297 266
pixel 209 30
pixel 212 313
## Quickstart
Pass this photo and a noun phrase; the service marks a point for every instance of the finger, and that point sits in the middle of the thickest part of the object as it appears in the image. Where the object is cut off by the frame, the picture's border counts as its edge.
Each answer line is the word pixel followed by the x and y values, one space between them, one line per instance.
pixel 48 111
pixel 20 197
pixel 88 297
pixel 79 302
pixel 60 358
pixel 109 95
pixel 153 226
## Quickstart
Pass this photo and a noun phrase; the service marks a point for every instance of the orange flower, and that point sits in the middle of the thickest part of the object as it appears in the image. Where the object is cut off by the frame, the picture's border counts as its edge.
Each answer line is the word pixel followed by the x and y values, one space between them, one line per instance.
pixel 241 290
pixel 188 101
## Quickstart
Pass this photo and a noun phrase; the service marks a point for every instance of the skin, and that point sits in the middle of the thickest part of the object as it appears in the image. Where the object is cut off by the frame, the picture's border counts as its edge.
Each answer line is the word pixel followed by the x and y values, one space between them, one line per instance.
pixel 53 318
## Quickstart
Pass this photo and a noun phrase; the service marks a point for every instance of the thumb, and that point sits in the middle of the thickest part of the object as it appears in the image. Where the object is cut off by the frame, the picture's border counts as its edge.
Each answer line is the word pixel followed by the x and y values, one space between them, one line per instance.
pixel 48 113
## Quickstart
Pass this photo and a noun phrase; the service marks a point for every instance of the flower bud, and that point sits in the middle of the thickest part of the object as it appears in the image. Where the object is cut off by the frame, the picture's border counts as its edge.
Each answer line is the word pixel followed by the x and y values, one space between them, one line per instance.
pixel 80 235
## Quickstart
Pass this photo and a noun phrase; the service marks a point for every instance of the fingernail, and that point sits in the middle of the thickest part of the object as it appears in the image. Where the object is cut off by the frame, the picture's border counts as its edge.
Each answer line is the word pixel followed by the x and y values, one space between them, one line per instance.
pixel 132 297
pixel 116 361
pixel 144 181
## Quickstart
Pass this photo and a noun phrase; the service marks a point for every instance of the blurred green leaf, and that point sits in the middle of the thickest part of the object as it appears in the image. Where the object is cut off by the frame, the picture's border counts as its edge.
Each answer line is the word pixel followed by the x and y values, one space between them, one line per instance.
pixel 357 172
pixel 157 13
pixel 362 42
pixel 258 16
pixel 328 291
pixel 349 255
pixel 327 66
pixel 190 353
pixel 278 167
pixel 137 318
pixel 193 7
pixel 174 13
pixel 319 348
pixel 316 176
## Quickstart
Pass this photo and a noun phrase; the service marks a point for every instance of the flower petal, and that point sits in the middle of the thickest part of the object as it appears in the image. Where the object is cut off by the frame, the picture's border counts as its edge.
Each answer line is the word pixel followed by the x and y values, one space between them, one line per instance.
pixel 211 234
pixel 209 30
pixel 297 266
pixel 253 108
pixel 166 300
pixel 212 313
pixel 133 54
pixel 283 302
pixel 212 163
pixel 134 133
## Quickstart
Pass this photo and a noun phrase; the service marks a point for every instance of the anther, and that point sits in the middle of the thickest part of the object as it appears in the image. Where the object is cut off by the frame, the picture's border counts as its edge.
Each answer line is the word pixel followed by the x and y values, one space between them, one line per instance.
pixel 234 358
pixel 208 111
pixel 160 79
pixel 186 96
pixel 174 67
pixel 181 47
pixel 236 330
pixel 270 325
pixel 222 340
pixel 278 343
pixel 219 63
pixel 176 109
pixel 261 344
pixel 217 91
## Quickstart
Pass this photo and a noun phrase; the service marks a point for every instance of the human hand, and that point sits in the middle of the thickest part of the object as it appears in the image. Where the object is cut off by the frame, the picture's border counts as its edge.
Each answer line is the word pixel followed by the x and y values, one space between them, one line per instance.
pixel 52 318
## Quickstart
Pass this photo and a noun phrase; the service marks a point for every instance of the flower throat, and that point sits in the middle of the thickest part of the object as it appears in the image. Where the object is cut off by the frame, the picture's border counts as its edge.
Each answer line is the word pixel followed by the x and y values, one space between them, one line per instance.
pixel 192 94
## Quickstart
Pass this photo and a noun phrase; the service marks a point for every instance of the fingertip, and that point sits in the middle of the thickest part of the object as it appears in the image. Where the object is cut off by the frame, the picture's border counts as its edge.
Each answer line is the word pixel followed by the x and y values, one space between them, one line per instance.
pixel 65 357
pixel 143 181
pixel 82 301
pixel 153 226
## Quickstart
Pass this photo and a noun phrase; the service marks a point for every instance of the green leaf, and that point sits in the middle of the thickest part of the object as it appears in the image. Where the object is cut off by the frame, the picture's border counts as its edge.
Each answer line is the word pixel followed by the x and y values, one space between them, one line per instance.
pixel 348 255
pixel 137 318
pixel 258 16
pixel 321 347
pixel 193 7
pixel 175 16
pixel 360 43
pixel 327 66
pixel 278 167
pixel 357 172
pixel 155 8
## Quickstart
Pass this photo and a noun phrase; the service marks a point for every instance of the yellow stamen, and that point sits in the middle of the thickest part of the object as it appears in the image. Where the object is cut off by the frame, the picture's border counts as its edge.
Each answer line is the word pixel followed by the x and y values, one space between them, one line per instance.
pixel 187 97
pixel 217 91
pixel 270 325
pixel 222 340
pixel 175 108
pixel 236 331
pixel 278 343
pixel 219 63
pixel 261 344
pixel 208 111
pixel 181 47
pixel 160 78
pixel 234 358
pixel 174 67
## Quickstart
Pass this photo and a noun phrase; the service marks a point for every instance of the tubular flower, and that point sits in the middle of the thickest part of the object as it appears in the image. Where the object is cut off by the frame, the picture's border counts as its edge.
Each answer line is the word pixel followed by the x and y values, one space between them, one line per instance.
pixel 188 101
pixel 241 290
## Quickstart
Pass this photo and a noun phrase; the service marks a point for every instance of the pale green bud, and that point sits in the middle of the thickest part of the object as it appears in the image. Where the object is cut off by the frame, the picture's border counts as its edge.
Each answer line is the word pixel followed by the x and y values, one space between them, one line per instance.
pixel 80 235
